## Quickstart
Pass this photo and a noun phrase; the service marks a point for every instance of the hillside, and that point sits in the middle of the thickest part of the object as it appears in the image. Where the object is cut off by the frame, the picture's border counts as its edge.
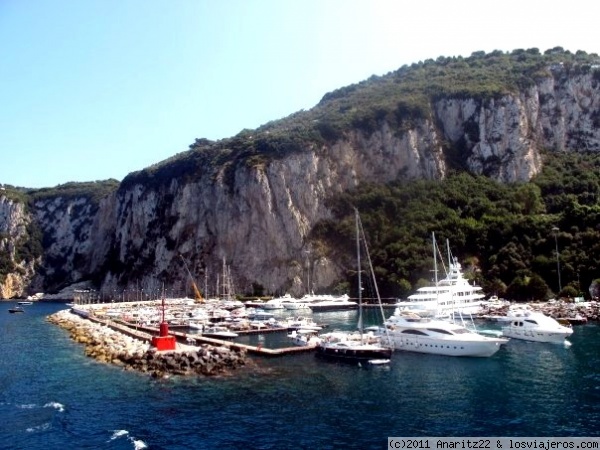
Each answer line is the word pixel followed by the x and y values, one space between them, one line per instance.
pixel 491 151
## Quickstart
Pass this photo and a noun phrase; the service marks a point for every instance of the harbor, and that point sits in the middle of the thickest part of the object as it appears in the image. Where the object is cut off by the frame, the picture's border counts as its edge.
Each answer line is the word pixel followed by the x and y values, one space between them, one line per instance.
pixel 140 320
pixel 51 388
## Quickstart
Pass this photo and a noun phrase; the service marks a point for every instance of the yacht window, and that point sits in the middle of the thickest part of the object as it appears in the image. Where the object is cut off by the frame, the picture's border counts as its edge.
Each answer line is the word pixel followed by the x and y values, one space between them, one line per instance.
pixel 418 332
pixel 531 321
pixel 439 330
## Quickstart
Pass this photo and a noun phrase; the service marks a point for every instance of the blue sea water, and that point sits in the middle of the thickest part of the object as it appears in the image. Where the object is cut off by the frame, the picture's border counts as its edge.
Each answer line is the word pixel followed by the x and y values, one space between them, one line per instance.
pixel 52 396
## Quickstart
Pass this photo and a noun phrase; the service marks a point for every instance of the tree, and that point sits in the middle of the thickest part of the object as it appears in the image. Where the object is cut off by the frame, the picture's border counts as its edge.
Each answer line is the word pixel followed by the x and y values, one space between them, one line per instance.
pixel 537 288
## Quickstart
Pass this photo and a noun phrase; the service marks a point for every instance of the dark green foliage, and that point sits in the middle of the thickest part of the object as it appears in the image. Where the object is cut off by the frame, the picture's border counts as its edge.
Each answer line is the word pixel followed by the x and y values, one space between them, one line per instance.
pixel 29 248
pixel 6 265
pixel 93 190
pixel 504 230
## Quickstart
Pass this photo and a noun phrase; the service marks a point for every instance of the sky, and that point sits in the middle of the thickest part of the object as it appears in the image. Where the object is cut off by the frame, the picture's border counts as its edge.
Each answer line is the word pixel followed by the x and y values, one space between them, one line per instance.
pixel 96 89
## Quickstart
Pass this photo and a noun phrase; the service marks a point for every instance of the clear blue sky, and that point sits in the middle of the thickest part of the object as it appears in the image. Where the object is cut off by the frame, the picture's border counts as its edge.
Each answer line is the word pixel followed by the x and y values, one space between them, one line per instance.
pixel 96 89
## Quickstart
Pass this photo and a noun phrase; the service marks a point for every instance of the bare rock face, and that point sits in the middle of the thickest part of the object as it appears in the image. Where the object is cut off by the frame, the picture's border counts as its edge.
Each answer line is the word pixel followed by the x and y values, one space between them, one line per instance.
pixel 14 221
pixel 257 216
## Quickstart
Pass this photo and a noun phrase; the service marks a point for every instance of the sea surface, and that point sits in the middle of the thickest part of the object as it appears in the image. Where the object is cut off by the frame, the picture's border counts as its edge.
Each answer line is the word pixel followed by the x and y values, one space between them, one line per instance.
pixel 53 397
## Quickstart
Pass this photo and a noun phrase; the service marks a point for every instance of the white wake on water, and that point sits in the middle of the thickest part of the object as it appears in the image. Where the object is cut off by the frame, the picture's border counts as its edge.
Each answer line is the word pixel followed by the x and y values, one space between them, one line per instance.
pixel 138 444
pixel 58 406
pixel 42 427
pixel 118 433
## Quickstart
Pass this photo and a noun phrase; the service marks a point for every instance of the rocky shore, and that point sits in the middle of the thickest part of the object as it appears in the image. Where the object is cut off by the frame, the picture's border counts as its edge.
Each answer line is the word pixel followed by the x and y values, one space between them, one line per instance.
pixel 107 345
pixel 558 310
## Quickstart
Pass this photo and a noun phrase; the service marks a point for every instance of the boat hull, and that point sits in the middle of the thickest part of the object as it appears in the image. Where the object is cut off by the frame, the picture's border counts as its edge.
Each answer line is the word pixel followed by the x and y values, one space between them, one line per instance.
pixel 295 306
pixel 220 335
pixel 324 308
pixel 535 335
pixel 353 356
pixel 421 344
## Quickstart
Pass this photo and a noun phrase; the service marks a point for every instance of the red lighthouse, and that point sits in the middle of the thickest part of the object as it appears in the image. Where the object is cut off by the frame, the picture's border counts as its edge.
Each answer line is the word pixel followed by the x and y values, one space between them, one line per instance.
pixel 163 341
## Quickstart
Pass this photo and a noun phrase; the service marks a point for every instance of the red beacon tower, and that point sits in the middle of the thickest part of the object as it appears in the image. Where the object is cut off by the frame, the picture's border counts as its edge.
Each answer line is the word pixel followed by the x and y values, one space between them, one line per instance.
pixel 163 341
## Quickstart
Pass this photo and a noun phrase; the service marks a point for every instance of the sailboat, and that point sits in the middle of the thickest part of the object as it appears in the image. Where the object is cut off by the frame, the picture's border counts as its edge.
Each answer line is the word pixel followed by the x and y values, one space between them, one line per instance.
pixel 356 347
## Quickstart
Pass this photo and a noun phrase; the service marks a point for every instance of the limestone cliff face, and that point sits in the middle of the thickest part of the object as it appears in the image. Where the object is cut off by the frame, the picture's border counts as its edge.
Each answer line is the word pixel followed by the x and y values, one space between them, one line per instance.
pixel 259 222
pixel 258 216
pixel 14 221
pixel 77 234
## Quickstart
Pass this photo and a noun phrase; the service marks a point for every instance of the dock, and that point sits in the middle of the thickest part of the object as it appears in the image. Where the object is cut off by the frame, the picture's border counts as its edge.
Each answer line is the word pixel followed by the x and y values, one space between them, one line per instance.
pixel 252 349
pixel 146 333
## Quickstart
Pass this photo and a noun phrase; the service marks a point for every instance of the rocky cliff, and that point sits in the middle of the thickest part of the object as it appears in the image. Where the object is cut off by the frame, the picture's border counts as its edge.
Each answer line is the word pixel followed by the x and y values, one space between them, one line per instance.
pixel 17 271
pixel 256 214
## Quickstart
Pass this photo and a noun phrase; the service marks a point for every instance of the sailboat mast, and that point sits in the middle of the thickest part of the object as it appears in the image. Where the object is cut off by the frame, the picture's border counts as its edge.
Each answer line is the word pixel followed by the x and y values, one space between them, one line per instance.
pixel 361 234
pixel 360 321
pixel 450 270
pixel 435 269
pixel 435 274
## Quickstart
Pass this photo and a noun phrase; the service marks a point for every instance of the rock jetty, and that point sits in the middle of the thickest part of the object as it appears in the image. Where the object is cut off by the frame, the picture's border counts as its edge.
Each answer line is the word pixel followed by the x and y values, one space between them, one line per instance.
pixel 577 312
pixel 108 345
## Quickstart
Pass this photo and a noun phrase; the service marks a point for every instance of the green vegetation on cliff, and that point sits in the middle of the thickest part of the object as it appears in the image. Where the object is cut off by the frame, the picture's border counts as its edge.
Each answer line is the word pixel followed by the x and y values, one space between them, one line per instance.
pixel 92 190
pixel 505 231
pixel 399 98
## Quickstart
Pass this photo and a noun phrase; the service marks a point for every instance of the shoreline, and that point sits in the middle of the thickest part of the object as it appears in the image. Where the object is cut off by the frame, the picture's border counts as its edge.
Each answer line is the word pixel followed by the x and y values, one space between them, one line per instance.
pixel 134 352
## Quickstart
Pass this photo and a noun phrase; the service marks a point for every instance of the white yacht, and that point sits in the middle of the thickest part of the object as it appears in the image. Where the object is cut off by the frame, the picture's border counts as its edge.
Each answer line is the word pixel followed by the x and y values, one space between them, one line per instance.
pixel 531 325
pixel 446 297
pixel 197 324
pixel 295 303
pixel 332 303
pixel 413 333
pixel 301 323
pixel 277 303
pixel 219 332
pixel 304 338
pixel 259 314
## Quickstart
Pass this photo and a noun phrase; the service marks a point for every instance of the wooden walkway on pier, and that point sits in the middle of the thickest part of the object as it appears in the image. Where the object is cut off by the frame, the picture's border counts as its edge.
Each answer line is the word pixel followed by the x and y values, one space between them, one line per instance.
pixel 145 333
pixel 252 349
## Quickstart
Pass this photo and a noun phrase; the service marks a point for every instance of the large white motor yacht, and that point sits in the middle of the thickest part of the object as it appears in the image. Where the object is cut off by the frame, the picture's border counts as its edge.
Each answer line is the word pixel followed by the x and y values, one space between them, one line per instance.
pixel 446 297
pixel 332 303
pixel 413 333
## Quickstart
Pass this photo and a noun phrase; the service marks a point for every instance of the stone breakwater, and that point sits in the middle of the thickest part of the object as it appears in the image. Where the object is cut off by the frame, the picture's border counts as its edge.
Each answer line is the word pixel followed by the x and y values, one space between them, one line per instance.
pixel 557 310
pixel 114 347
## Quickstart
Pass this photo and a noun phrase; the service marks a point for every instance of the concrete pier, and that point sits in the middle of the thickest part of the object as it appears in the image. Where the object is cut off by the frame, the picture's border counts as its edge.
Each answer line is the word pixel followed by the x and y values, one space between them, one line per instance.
pixel 146 333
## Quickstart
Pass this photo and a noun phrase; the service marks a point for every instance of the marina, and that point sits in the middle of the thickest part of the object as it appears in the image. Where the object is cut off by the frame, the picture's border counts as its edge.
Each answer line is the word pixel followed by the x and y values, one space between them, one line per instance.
pixel 437 336
pixel 404 330
pixel 53 396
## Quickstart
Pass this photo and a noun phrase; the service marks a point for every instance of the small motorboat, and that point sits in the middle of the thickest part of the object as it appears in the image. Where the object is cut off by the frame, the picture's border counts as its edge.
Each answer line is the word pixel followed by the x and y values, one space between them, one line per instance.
pixel 304 338
pixel 532 325
pixel 378 362
pixel 16 309
pixel 219 332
